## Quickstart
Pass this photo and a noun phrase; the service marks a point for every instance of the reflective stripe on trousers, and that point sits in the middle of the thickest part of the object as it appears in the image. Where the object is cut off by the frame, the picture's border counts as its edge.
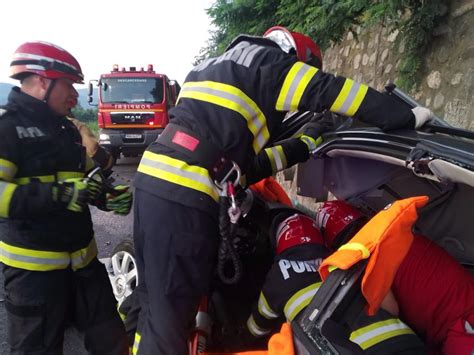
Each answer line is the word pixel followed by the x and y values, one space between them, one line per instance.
pixel 37 260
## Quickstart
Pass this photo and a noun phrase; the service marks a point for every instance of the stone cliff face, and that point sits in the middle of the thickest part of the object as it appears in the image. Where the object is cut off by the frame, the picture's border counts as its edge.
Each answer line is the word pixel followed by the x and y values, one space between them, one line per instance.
pixel 447 87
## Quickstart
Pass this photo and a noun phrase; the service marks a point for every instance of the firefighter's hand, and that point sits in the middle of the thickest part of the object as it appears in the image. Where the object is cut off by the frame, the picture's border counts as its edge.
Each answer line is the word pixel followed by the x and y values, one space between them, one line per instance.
pixel 314 129
pixel 422 115
pixel 89 141
pixel 72 194
pixel 120 201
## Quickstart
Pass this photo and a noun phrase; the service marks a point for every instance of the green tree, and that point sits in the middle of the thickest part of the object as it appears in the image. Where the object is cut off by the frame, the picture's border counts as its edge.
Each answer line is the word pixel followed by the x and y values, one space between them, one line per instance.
pixel 232 18
pixel 85 115
pixel 327 21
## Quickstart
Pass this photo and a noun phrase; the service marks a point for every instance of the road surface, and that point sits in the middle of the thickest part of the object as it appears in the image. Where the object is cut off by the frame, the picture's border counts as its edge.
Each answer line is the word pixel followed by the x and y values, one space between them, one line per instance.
pixel 109 231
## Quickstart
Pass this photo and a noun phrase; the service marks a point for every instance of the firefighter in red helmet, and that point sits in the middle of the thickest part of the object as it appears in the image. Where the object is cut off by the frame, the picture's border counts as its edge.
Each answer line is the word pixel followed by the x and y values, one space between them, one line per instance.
pixel 228 114
pixel 432 292
pixel 293 281
pixel 48 250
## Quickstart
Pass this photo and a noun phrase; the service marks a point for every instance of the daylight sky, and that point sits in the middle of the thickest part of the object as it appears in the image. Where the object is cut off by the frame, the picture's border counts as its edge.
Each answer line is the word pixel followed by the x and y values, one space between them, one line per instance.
pixel 100 33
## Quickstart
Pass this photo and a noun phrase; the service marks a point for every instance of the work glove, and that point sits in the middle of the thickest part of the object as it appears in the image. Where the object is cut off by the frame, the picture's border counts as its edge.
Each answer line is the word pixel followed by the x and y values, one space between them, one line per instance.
pixel 314 129
pixel 422 115
pixel 74 194
pixel 119 201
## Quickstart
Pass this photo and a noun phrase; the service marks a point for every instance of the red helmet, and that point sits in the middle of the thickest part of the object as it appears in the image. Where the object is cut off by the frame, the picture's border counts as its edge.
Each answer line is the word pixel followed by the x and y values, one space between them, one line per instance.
pixel 47 60
pixel 338 221
pixel 306 50
pixel 296 230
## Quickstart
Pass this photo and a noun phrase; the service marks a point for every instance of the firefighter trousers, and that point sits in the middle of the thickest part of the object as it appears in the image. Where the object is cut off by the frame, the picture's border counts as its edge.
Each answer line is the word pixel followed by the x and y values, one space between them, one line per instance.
pixel 176 249
pixel 40 304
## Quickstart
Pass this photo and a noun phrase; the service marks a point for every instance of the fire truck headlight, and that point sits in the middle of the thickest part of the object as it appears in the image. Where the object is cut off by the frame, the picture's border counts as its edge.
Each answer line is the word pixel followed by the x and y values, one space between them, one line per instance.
pixel 104 137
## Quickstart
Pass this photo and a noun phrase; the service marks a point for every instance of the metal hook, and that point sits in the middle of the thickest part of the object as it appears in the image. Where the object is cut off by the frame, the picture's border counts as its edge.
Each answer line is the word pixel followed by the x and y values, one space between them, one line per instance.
pixel 235 168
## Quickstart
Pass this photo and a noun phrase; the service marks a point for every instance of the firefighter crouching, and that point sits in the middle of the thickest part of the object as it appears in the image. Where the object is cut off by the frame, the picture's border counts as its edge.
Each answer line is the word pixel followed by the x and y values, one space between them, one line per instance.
pixel 47 246
pixel 229 111
pixel 293 280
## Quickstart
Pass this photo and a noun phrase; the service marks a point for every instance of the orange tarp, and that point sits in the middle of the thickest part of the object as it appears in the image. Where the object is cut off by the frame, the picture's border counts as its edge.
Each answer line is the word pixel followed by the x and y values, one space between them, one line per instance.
pixel 279 344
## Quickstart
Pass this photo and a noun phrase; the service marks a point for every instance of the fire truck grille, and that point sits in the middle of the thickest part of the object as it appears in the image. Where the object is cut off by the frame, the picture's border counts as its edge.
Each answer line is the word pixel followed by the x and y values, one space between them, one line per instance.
pixel 130 117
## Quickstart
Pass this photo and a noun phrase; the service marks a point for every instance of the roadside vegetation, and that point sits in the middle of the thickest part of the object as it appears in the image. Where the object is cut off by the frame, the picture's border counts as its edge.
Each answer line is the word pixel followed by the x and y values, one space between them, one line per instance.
pixel 88 116
pixel 326 21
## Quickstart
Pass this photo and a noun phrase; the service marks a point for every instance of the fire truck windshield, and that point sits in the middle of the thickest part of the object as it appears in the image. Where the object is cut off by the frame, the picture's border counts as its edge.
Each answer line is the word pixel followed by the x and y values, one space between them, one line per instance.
pixel 131 90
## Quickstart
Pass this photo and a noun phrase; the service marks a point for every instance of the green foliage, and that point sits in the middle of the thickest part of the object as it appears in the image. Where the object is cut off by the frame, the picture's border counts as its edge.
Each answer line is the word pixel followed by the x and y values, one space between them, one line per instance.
pixel 326 21
pixel 88 116
pixel 235 17
pixel 85 115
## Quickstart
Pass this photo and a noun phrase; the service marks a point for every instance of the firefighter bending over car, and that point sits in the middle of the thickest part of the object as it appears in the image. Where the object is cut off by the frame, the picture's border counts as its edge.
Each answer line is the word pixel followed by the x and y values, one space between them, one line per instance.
pixel 228 114
pixel 52 274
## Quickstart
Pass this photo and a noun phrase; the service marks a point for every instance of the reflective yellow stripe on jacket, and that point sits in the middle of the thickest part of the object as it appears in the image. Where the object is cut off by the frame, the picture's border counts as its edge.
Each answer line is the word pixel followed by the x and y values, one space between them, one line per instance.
pixel 27 180
pixel 294 86
pixel 37 260
pixel 6 193
pixel 277 158
pixel 60 176
pixel 136 343
pixel 233 98
pixel 349 99
pixel 300 300
pixel 7 170
pixel 63 175
pixel 255 329
pixel 375 333
pixel 264 308
pixel 178 172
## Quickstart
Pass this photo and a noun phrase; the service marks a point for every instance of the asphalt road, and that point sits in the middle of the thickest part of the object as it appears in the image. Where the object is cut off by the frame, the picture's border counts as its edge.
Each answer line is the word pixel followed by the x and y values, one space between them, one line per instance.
pixel 109 231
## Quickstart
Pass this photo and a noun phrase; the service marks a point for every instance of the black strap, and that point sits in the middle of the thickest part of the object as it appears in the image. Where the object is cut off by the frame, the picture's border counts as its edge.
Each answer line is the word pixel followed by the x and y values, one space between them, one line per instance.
pixel 200 150
pixel 49 90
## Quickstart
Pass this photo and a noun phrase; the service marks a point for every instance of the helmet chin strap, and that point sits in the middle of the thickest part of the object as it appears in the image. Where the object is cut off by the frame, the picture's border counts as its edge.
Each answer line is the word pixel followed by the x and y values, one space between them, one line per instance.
pixel 48 91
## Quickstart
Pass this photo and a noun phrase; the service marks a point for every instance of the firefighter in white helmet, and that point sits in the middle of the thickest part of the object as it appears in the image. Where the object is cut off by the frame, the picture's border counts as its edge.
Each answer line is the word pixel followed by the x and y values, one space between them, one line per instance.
pixel 229 111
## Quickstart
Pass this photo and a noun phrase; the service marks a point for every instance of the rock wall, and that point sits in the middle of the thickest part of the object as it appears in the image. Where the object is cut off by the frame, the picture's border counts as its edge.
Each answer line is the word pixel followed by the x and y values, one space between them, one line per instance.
pixel 447 86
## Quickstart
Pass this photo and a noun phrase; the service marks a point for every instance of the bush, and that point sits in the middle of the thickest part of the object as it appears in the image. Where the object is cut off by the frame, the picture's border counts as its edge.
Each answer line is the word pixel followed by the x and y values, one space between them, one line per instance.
pixel 85 115
pixel 326 21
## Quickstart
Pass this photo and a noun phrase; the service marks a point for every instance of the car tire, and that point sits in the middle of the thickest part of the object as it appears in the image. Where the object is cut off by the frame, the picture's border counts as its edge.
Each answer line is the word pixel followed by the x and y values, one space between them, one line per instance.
pixel 123 271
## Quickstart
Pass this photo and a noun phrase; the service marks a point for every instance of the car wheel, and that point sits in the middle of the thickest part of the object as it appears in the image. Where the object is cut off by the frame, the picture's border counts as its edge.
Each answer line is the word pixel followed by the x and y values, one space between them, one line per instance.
pixel 123 271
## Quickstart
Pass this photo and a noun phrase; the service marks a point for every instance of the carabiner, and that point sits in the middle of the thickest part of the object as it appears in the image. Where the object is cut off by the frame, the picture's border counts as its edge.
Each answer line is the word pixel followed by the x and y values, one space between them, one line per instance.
pixel 235 168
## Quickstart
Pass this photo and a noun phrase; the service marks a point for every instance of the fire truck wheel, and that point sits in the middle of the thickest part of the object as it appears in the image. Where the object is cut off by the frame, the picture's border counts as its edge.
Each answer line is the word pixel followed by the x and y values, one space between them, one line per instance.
pixel 123 272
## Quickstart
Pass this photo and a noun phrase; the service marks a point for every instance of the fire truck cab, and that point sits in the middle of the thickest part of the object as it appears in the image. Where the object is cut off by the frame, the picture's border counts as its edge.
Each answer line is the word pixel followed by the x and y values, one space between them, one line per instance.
pixel 133 108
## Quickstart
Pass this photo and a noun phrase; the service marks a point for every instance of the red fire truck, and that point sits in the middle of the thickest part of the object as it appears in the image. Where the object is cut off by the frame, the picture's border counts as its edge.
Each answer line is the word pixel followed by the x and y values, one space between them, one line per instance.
pixel 133 108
